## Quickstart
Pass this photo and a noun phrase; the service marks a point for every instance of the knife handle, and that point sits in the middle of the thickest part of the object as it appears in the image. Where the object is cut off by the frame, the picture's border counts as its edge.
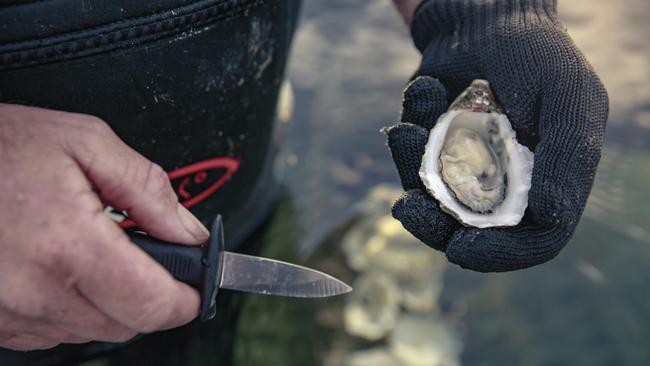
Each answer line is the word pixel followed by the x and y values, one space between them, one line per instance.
pixel 182 261
pixel 195 266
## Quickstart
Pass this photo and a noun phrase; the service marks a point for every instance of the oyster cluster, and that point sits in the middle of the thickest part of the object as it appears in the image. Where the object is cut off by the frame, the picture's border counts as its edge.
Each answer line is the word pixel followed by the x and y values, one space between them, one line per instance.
pixel 394 305
pixel 473 164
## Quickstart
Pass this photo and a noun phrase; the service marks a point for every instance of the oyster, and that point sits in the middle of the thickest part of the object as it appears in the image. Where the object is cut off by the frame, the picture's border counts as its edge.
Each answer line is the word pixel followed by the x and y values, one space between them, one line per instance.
pixel 422 296
pixel 386 246
pixel 473 164
pixel 373 308
pixel 372 357
pixel 421 340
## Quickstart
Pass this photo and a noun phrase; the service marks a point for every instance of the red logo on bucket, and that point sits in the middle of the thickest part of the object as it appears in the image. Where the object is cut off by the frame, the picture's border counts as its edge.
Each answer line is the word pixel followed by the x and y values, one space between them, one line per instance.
pixel 192 182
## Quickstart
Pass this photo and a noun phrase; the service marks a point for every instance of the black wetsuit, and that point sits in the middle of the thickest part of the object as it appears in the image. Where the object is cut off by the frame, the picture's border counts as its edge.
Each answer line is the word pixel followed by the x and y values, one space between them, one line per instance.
pixel 192 85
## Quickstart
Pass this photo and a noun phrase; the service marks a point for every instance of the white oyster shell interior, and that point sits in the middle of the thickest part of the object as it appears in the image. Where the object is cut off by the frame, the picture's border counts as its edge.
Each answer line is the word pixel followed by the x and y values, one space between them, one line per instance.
pixel 474 166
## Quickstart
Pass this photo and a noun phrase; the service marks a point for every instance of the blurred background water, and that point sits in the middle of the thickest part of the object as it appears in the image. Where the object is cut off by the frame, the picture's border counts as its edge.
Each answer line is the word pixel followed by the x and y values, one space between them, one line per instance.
pixel 589 306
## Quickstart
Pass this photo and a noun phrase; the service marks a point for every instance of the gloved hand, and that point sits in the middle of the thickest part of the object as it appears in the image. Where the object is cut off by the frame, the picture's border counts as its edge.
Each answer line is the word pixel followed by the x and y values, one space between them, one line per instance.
pixel 554 100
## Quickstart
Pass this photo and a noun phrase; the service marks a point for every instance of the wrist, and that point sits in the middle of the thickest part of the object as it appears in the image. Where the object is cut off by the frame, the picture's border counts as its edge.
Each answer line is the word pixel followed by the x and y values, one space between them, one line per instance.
pixel 407 8
pixel 434 17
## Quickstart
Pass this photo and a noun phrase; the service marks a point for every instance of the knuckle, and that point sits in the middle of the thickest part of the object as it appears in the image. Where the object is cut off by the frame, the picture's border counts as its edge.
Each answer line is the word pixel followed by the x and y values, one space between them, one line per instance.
pixel 54 255
pixel 99 327
pixel 91 134
pixel 86 127
pixel 555 209
pixel 600 99
pixel 76 340
pixel 26 306
pixel 109 330
pixel 397 210
pixel 121 336
pixel 156 184
pixel 61 260
pixel 46 345
pixel 17 305
pixel 407 134
pixel 95 126
pixel 155 314
pixel 86 202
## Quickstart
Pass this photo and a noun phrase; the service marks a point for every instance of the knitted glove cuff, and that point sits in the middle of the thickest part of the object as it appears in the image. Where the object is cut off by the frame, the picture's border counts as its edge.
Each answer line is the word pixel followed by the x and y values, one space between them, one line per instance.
pixel 435 17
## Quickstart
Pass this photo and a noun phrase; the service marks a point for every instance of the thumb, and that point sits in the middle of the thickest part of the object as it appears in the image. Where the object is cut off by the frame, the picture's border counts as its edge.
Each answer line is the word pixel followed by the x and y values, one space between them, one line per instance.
pixel 425 100
pixel 128 181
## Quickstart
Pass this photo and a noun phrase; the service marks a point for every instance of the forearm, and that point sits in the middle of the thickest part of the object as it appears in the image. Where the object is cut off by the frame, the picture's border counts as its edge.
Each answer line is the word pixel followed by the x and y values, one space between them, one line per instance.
pixel 407 8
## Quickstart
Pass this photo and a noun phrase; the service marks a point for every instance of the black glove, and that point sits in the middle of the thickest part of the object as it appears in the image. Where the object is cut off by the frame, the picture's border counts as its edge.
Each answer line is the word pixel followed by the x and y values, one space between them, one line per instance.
pixel 554 100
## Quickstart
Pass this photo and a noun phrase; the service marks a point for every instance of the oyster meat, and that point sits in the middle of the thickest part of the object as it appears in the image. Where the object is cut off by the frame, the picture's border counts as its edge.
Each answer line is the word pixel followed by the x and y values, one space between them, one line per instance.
pixel 473 164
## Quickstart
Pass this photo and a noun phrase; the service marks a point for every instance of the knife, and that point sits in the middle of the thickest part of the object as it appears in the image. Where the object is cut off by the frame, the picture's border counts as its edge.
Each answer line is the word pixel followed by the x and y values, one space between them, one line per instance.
pixel 211 267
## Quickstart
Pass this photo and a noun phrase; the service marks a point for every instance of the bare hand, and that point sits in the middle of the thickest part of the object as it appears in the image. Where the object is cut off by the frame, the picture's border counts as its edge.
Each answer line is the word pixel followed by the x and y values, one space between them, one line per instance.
pixel 67 272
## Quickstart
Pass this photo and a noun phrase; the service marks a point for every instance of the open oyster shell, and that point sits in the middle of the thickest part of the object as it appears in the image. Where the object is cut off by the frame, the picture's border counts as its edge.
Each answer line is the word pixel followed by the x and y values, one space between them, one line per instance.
pixel 473 164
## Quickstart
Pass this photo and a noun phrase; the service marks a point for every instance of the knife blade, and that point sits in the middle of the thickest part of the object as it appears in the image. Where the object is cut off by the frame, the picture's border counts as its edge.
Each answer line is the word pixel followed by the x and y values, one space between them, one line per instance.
pixel 242 273
pixel 209 268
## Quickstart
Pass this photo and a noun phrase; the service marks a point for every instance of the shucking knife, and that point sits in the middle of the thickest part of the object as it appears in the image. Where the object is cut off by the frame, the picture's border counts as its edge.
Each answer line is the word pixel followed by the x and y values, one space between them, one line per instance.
pixel 211 267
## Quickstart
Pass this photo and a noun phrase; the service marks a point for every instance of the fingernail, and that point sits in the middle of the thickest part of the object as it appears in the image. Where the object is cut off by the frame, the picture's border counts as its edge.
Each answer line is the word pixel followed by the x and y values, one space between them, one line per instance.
pixel 192 224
